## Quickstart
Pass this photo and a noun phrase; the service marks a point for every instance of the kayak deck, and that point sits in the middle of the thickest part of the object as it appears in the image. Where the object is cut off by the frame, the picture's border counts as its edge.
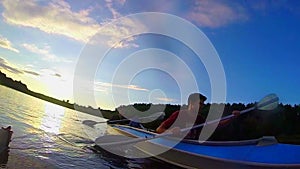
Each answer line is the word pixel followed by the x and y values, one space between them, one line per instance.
pixel 244 152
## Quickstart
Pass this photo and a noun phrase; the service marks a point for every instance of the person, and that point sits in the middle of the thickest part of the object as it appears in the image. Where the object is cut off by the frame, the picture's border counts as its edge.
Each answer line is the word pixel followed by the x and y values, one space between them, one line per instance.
pixel 193 111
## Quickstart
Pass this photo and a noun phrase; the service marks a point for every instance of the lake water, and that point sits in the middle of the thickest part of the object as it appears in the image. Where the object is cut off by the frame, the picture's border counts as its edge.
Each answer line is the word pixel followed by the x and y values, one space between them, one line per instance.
pixel 56 135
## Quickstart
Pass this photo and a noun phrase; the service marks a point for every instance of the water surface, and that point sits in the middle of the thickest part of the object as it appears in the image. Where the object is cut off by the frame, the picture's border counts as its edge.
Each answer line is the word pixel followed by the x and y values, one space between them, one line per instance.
pixel 57 136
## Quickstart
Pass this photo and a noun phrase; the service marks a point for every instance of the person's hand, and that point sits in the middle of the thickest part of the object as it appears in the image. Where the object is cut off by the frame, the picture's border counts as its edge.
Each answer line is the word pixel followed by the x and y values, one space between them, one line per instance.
pixel 175 131
pixel 236 113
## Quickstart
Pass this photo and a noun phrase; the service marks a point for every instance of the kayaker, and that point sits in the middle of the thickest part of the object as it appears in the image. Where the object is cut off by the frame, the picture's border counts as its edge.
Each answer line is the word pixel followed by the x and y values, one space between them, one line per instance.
pixel 194 110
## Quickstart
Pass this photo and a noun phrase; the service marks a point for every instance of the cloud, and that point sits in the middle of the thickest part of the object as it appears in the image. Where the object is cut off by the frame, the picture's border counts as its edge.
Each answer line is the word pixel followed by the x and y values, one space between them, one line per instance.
pixel 165 99
pixel 31 72
pixel 57 17
pixel 104 87
pixel 44 52
pixel 6 66
pixel 6 44
pixel 204 13
pixel 110 4
pixel 57 75
pixel 49 72
pixel 216 14
pixel 265 7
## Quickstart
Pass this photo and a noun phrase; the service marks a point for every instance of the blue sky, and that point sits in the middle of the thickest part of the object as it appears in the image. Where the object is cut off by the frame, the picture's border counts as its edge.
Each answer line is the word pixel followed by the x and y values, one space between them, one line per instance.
pixel 258 44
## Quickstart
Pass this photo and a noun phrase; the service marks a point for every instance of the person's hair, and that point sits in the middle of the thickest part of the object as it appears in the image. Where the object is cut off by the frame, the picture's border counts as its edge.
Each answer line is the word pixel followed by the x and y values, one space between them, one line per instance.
pixel 196 96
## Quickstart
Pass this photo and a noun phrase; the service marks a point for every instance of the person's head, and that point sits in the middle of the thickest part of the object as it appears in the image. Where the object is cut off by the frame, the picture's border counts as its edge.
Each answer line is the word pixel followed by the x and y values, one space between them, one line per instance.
pixel 196 102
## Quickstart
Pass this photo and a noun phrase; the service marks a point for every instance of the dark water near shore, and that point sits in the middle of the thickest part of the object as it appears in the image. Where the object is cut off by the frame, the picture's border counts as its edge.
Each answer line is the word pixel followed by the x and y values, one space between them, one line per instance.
pixel 57 136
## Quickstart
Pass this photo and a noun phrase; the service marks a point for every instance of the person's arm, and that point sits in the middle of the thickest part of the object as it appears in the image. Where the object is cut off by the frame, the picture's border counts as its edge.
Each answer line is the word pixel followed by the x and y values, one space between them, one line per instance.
pixel 167 123
pixel 161 129
pixel 223 123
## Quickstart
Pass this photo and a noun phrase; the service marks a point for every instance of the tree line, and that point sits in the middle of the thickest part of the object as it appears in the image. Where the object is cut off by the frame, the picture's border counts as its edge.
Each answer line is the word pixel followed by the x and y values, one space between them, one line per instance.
pixel 282 122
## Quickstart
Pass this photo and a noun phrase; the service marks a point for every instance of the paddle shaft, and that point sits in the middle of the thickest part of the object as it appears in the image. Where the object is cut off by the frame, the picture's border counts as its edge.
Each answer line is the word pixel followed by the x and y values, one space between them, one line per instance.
pixel 258 106
pixel 139 118
pixel 216 120
pixel 113 121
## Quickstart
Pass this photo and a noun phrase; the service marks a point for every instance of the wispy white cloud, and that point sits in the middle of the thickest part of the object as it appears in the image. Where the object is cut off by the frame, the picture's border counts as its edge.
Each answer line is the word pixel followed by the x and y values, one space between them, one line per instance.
pixel 6 44
pixel 57 75
pixel 32 72
pixel 8 67
pixel 204 13
pixel 164 99
pixel 104 87
pixel 110 6
pixel 264 7
pixel 57 17
pixel 50 72
pixel 214 14
pixel 44 52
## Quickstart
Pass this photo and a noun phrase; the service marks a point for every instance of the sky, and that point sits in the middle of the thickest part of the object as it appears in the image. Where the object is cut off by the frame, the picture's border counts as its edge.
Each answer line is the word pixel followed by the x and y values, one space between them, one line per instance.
pixel 107 53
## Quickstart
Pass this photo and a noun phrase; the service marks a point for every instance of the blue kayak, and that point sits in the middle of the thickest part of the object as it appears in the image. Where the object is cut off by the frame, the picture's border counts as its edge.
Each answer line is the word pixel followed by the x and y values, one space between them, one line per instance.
pixel 265 152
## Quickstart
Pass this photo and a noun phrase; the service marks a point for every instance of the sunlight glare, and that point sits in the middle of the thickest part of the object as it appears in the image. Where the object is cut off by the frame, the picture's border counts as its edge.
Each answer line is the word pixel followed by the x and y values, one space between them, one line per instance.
pixel 59 88
pixel 52 119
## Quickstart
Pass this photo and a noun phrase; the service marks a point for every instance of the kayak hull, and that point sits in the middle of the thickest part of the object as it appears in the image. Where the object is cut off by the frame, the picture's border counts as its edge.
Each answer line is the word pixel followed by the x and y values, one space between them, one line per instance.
pixel 249 154
pixel 190 160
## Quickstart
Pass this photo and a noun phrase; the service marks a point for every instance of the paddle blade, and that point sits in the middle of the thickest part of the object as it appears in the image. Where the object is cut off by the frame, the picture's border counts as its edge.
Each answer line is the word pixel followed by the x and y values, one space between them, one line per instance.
pixel 104 140
pixel 116 144
pixel 123 148
pixel 269 102
pixel 91 123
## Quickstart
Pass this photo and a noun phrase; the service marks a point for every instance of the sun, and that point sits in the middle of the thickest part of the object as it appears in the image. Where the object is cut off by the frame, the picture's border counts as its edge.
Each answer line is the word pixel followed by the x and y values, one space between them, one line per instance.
pixel 58 87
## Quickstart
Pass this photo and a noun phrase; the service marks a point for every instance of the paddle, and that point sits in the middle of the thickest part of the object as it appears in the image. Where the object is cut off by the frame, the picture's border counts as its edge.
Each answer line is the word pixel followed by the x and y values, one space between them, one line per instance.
pixel 154 116
pixel 269 102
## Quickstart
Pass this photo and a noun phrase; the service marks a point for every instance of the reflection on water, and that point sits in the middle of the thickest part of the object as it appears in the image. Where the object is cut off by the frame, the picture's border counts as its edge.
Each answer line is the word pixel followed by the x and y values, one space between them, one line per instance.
pixel 56 135
pixel 51 121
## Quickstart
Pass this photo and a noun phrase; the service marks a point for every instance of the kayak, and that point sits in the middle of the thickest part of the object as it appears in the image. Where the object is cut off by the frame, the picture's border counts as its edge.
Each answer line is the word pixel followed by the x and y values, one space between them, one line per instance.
pixel 264 152
pixel 5 138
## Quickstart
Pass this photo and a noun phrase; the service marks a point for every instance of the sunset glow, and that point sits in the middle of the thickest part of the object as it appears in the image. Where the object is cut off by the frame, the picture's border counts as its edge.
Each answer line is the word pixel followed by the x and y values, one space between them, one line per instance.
pixel 257 43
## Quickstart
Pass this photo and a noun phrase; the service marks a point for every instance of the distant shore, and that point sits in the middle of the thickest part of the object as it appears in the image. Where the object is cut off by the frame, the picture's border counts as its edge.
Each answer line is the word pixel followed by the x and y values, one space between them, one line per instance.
pixel 283 122
pixel 19 86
